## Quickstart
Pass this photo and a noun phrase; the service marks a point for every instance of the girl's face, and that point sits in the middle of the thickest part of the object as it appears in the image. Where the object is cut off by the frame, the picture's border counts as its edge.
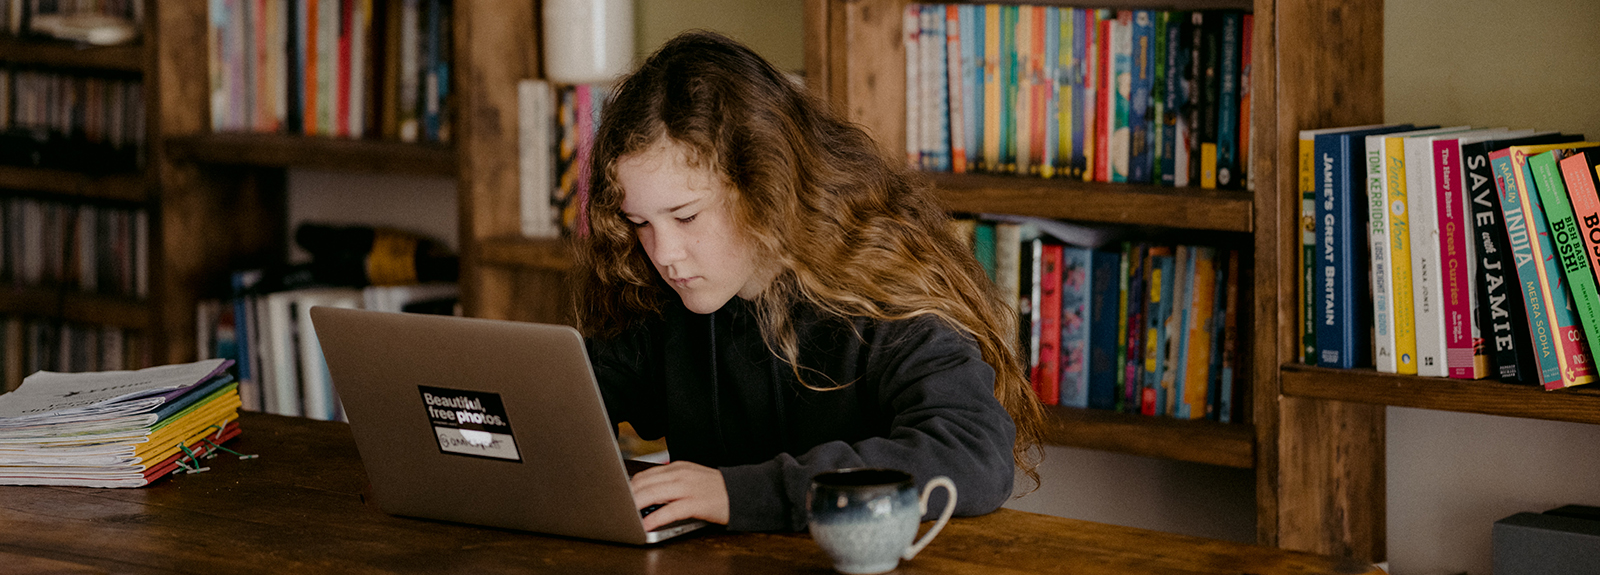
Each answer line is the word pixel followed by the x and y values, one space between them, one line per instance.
pixel 680 214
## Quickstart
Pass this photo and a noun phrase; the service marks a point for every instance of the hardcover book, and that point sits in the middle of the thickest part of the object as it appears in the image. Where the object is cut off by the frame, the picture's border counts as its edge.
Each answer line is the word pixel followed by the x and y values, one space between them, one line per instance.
pixel 1227 170
pixel 1342 336
pixel 1139 97
pixel 1426 288
pixel 1107 290
pixel 1076 324
pixel 1571 257
pixel 1467 353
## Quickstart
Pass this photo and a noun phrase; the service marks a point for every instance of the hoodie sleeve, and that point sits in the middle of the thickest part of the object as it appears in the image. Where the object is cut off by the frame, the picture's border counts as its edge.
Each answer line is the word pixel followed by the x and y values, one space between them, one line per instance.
pixel 619 367
pixel 932 383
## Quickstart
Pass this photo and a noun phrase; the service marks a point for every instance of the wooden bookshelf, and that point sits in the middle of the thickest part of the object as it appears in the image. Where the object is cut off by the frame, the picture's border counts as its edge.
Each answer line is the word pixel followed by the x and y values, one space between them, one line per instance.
pixel 1579 404
pixel 294 151
pixel 47 53
pixel 1146 205
pixel 125 187
pixel 1197 441
pixel 75 307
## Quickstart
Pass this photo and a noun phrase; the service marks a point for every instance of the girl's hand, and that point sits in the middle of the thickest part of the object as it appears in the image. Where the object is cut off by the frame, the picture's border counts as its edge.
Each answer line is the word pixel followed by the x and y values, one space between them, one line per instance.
pixel 686 489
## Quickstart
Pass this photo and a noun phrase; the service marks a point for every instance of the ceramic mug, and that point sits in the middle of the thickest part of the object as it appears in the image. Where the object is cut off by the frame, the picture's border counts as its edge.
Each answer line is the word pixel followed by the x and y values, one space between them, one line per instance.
pixel 865 518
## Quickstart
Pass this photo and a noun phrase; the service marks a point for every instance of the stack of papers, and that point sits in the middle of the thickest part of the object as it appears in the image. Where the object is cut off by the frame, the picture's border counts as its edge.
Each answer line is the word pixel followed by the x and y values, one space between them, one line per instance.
pixel 115 428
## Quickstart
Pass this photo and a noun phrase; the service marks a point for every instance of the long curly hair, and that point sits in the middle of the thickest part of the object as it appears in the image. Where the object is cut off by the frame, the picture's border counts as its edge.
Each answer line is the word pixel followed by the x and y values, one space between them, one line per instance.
pixel 852 233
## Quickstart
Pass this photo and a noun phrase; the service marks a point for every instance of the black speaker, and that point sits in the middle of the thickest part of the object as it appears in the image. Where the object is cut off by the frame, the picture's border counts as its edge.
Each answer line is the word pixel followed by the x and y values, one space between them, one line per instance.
pixel 1564 540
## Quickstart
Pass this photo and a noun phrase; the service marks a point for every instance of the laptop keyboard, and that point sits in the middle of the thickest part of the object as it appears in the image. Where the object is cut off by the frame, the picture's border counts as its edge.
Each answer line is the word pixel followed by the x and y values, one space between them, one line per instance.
pixel 651 509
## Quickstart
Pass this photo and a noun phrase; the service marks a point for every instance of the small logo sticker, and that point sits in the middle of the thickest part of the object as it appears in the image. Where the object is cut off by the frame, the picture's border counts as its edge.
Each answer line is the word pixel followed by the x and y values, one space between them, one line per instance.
pixel 471 423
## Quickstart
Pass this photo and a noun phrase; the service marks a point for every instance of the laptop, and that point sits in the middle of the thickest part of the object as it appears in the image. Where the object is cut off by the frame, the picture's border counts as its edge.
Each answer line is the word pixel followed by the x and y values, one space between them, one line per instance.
pixel 481 421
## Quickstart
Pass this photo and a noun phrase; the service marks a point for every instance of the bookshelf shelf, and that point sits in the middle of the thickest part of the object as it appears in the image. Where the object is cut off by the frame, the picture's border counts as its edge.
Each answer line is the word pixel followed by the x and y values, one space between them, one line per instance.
pixel 1200 441
pixel 61 54
pixel 75 307
pixel 533 254
pixel 1577 404
pixel 127 187
pixel 282 151
pixel 1136 204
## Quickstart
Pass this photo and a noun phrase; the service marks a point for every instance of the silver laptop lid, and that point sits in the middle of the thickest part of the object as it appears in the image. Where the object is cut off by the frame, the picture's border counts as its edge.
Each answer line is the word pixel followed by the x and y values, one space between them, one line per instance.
pixel 480 421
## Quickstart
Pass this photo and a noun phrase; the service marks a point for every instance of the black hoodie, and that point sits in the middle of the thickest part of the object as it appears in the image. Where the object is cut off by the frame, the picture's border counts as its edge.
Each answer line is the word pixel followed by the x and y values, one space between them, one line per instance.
pixel 917 397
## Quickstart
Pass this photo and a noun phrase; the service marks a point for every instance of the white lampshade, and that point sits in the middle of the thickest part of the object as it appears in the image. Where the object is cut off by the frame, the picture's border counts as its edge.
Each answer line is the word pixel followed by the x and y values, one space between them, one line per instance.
pixel 587 41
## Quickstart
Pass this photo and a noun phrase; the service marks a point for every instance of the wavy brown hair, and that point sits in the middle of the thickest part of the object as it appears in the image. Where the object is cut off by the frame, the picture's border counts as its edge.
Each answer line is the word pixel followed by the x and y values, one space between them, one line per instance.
pixel 852 233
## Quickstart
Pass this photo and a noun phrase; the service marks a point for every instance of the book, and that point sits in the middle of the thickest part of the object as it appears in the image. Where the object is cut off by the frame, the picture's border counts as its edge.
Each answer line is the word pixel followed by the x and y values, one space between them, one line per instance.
pixel 983 247
pixel 1048 349
pixel 1565 236
pixel 1467 354
pixel 1308 239
pixel 316 385
pixel 992 82
pixel 1140 97
pixel 1227 154
pixel 1132 344
pixel 1120 77
pixel 971 43
pixel 1008 262
pixel 1342 337
pixel 1157 309
pixel 1578 175
pixel 1156 122
pixel 1076 325
pixel 1230 330
pixel 1246 56
pixel 1197 348
pixel 1426 288
pixel 536 158
pixel 910 39
pixel 1210 90
pixel 1108 322
pixel 1176 330
pixel 1501 311
pixel 1554 334
pixel 954 88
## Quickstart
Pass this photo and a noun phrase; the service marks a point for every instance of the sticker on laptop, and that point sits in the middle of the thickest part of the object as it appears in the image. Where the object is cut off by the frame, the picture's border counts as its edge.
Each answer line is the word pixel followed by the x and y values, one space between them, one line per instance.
pixel 471 423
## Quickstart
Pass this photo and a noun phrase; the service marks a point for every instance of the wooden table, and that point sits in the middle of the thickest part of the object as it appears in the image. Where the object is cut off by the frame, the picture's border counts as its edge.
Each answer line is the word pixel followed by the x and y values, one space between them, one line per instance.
pixel 300 508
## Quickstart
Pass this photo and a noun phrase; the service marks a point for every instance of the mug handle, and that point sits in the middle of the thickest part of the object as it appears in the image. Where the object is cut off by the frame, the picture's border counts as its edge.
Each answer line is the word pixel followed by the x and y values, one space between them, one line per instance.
pixel 949 507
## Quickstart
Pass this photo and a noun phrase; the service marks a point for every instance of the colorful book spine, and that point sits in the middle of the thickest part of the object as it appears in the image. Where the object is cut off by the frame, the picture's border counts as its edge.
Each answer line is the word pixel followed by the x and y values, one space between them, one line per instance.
pixel 1143 77
pixel 1009 80
pixel 1076 325
pixel 1426 288
pixel 1107 276
pixel 1082 90
pixel 1465 354
pixel 1120 344
pixel 1308 250
pixel 1138 297
pixel 1023 116
pixel 1047 368
pixel 957 111
pixel 1343 339
pixel 1378 222
pixel 1544 171
pixel 1201 328
pixel 1173 96
pixel 1502 317
pixel 983 247
pixel 1177 331
pixel 1530 245
pixel 1399 235
pixel 1577 365
pixel 1227 169
pixel 935 98
pixel 992 82
pixel 1246 55
pixel 1039 91
pixel 1210 91
pixel 1121 80
pixel 1157 308
pixel 972 42
pixel 1186 156
pixel 1158 95
pixel 1579 179
pixel 1105 106
pixel 1230 330
pixel 1050 87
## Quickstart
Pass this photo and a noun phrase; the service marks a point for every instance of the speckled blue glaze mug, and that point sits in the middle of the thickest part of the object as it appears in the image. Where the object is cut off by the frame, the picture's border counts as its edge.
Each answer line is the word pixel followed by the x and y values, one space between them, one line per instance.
pixel 865 518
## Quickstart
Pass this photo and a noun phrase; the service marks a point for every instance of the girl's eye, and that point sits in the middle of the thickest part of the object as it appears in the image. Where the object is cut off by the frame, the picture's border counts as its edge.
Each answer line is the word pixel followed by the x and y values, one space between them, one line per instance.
pixel 638 224
pixel 687 219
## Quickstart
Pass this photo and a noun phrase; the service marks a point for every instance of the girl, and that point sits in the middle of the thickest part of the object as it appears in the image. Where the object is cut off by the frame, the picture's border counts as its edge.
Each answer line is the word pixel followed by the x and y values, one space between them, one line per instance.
pixel 765 289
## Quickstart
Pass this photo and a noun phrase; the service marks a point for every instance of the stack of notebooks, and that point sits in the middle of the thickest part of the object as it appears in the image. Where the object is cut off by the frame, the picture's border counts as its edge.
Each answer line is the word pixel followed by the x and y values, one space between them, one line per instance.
pixel 115 428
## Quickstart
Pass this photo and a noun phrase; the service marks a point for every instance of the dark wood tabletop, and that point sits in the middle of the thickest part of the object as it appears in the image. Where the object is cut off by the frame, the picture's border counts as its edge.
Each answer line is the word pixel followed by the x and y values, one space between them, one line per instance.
pixel 301 508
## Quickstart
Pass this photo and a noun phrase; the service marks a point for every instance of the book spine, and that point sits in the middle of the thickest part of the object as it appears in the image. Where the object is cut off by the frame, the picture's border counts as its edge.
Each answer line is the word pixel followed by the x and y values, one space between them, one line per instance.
pixel 992 91
pixel 342 58
pixel 1246 55
pixel 1573 350
pixel 1063 102
pixel 1008 265
pixel 1075 326
pixel 1023 113
pixel 958 133
pixel 1089 99
pixel 1210 94
pixel 1009 83
pixel 1039 97
pixel 1156 122
pixel 1177 331
pixel 1050 86
pixel 1580 183
pixel 1335 334
pixel 1404 317
pixel 1158 308
pixel 1106 297
pixel 1031 297
pixel 1426 288
pixel 1120 344
pixel 1198 348
pixel 1571 258
pixel 1140 97
pixel 910 36
pixel 1081 90
pixel 1522 232
pixel 1378 222
pixel 1496 278
pixel 1228 103
pixel 971 84
pixel 1047 382
pixel 1105 78
pixel 1138 298
pixel 1122 82
pixel 1308 252
pixel 1456 266
pixel 935 94
pixel 1230 331
pixel 1186 142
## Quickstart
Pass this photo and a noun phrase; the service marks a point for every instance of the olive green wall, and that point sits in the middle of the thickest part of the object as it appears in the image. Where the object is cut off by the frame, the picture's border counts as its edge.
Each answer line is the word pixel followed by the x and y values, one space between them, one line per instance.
pixel 771 27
